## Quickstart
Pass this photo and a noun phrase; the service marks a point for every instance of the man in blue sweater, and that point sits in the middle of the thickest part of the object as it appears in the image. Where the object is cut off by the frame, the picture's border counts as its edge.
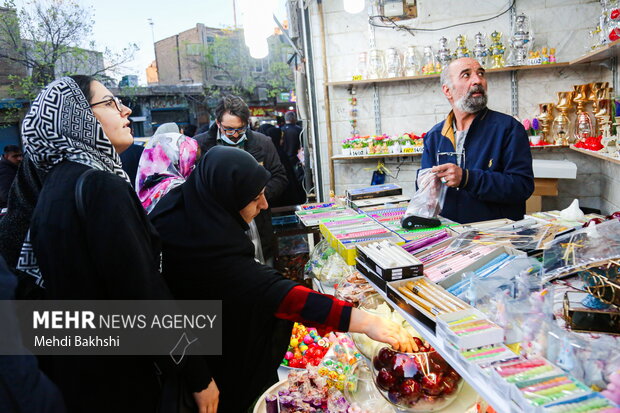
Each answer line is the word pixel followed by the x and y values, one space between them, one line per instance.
pixel 483 156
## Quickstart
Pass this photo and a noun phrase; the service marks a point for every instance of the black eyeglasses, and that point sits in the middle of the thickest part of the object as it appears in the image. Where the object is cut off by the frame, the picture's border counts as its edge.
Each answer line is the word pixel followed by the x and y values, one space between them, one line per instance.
pixel 117 102
pixel 232 131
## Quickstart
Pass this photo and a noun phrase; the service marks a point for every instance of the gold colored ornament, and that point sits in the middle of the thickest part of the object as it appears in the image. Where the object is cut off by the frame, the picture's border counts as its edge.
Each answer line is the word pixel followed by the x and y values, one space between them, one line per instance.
pixel 561 124
pixel 545 118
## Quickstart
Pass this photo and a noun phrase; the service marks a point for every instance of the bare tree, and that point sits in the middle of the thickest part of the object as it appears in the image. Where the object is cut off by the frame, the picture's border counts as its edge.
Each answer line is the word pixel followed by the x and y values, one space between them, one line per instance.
pixel 51 37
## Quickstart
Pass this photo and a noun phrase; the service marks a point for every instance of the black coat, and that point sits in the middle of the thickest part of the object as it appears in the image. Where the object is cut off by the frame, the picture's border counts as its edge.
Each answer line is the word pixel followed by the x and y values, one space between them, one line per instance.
pixel 113 254
pixel 8 170
pixel 262 149
pixel 291 143
pixel 23 387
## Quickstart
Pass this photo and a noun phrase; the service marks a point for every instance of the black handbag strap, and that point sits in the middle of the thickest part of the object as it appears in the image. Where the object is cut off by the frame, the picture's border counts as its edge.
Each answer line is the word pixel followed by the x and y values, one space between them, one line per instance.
pixel 79 193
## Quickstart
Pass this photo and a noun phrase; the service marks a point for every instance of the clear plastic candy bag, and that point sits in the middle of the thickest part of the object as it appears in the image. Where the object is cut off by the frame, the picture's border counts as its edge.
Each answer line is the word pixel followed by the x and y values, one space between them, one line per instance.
pixel 428 199
pixel 326 265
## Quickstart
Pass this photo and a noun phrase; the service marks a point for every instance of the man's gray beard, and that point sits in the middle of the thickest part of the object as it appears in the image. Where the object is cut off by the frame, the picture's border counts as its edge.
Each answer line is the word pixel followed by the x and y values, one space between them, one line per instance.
pixel 471 104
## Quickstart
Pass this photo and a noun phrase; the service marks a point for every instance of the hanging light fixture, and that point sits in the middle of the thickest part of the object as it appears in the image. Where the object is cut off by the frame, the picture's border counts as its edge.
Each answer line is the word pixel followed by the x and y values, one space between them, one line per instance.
pixel 257 18
pixel 259 49
pixel 353 6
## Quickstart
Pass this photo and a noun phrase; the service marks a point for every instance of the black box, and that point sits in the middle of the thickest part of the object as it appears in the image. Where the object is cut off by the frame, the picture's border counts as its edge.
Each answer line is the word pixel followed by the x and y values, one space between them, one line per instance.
pixel 391 274
pixel 374 191
pixel 410 307
pixel 371 275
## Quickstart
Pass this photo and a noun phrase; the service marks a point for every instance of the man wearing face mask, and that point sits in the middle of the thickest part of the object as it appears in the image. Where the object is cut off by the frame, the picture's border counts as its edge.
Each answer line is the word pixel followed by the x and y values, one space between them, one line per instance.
pixel 231 128
pixel 483 156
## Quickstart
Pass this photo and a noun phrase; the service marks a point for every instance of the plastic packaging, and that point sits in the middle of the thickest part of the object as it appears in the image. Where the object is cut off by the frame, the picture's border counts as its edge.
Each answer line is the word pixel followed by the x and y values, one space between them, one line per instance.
pixel 326 265
pixel 572 213
pixel 427 202
pixel 591 245
pixel 337 364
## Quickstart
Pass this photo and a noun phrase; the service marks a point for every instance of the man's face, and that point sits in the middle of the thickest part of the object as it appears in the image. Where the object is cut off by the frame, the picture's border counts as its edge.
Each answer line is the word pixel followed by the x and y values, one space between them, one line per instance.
pixel 469 86
pixel 232 126
pixel 14 157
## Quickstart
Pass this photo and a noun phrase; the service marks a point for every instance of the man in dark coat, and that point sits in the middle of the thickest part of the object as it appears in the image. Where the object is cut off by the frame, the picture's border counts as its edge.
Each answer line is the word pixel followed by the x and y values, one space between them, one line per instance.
pixel 292 133
pixel 8 169
pixel 231 128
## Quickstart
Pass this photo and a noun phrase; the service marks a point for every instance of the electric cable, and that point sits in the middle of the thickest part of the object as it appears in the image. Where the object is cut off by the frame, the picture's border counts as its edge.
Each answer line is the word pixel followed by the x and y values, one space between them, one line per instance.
pixel 411 30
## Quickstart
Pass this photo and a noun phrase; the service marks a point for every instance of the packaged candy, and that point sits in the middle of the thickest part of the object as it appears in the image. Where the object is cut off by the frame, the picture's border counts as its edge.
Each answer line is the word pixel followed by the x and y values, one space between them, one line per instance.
pixel 337 364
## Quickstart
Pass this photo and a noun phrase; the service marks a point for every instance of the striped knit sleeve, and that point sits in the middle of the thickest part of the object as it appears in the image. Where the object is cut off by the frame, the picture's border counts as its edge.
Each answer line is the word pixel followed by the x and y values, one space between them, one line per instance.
pixel 314 309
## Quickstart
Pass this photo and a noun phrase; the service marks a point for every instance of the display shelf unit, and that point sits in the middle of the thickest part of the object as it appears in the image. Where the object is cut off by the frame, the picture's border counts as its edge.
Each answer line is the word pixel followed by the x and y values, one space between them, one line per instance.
pixel 500 402
pixel 602 53
pixel 607 158
pixel 376 156
pixel 418 154
pixel 424 77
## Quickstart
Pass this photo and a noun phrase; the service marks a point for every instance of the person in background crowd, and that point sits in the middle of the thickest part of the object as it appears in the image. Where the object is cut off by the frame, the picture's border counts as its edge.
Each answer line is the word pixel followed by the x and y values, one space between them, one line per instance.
pixel 129 159
pixel 208 256
pixel 279 121
pixel 9 163
pixel 294 194
pixel 108 250
pixel 231 128
pixel 292 132
pixel 166 162
pixel 131 156
pixel 189 130
pixel 202 129
pixel 483 156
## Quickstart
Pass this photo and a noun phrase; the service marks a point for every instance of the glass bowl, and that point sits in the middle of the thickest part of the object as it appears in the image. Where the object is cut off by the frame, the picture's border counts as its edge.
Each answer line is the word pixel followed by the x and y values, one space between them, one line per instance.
pixel 415 382
pixel 373 304
pixel 360 389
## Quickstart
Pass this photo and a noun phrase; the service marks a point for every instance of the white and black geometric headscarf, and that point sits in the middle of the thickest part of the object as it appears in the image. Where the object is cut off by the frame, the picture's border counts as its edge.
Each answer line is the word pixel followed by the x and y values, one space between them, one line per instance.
pixel 61 126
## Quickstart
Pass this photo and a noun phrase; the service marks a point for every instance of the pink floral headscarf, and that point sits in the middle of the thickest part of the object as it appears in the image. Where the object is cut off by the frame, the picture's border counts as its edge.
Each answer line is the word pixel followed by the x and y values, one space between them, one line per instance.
pixel 166 162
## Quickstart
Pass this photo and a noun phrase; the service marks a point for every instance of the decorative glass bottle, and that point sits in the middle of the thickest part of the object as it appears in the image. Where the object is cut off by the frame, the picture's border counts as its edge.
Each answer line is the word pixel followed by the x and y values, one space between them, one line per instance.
pixel 393 62
pixel 376 64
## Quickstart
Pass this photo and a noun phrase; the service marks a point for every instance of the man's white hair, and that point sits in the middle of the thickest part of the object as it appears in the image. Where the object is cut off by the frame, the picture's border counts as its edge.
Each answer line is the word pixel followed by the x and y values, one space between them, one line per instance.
pixel 444 77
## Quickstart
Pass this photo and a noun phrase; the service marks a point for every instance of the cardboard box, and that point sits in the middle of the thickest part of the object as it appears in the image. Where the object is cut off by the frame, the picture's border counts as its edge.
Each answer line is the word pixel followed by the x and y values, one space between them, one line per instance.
pixel 391 274
pixel 459 275
pixel 374 191
pixel 371 275
pixel 395 199
pixel 416 311
pixel 486 337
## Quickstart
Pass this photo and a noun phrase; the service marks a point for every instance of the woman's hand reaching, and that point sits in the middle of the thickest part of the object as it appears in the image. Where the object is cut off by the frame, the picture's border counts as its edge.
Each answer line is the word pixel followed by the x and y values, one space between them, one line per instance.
pixel 383 330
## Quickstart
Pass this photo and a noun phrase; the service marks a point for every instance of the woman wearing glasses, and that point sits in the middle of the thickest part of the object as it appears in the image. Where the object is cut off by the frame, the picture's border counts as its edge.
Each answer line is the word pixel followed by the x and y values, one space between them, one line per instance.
pixel 104 250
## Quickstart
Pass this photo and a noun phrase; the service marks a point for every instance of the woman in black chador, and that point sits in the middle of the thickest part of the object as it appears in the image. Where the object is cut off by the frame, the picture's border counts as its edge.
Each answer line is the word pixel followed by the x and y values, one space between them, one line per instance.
pixel 207 255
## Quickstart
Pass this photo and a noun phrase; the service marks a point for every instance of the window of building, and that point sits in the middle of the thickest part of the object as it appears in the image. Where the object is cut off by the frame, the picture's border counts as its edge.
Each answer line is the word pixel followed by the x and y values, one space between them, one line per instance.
pixel 193 49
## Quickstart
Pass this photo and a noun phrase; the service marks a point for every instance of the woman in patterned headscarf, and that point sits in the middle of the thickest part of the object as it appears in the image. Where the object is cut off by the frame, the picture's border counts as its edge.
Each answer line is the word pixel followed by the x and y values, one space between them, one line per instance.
pixel 166 162
pixel 105 249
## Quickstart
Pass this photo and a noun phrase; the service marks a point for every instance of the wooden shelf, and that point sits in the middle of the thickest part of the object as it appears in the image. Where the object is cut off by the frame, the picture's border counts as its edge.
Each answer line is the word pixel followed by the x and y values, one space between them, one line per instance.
pixel 424 77
pixel 548 147
pixel 601 53
pixel 376 156
pixel 605 157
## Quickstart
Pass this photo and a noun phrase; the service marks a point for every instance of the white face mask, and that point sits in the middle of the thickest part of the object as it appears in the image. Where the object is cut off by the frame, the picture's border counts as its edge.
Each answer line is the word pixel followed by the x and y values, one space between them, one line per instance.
pixel 230 142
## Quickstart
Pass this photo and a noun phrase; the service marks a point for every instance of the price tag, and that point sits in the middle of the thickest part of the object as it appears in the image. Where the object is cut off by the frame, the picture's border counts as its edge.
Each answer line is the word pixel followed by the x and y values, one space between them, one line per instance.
pixel 357 77
pixel 409 149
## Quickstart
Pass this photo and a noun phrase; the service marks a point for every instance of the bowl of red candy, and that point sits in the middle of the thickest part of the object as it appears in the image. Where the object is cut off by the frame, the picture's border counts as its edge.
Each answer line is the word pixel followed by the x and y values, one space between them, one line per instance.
pixel 415 382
